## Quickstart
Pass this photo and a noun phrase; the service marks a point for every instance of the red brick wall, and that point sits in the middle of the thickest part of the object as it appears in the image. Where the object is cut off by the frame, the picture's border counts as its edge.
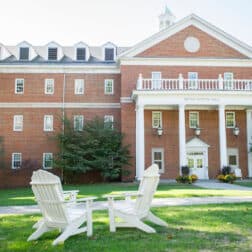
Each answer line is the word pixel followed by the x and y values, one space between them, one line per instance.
pixel 174 46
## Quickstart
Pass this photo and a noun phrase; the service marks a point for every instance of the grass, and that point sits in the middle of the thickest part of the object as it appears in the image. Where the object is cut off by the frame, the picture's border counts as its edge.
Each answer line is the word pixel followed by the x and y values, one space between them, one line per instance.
pixel 225 227
pixel 247 183
pixel 24 196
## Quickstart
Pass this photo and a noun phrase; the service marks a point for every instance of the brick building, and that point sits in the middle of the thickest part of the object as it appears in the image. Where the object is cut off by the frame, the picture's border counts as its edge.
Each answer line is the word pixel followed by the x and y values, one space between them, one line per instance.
pixel 182 97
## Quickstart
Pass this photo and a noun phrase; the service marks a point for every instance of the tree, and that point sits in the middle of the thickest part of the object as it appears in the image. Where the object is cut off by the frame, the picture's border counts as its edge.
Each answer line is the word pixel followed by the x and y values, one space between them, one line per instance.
pixel 98 147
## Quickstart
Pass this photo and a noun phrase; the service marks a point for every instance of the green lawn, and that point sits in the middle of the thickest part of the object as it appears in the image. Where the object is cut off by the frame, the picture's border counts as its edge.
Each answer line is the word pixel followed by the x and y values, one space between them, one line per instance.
pixel 226 227
pixel 247 183
pixel 24 196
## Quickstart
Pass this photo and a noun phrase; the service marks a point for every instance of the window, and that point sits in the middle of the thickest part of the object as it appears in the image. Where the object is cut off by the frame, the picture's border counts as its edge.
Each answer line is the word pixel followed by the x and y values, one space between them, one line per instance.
pixel 78 122
pixel 158 158
pixel 19 86
pixel 233 157
pixel 230 119
pixel 109 86
pixel 16 160
pixel 53 53
pixel 24 53
pixel 109 121
pixel 79 86
pixel 193 120
pixel 109 54
pixel 47 160
pixel 81 53
pixel 18 123
pixel 49 86
pixel 228 80
pixel 156 80
pixel 48 123
pixel 156 119
pixel 192 80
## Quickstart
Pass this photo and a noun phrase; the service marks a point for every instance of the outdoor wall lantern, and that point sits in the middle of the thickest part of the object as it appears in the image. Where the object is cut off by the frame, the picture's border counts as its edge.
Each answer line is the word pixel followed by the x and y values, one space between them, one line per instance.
pixel 236 131
pixel 159 131
pixel 197 131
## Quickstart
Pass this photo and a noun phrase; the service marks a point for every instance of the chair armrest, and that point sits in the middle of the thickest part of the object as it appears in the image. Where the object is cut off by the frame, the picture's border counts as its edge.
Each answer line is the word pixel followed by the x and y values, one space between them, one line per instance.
pixel 123 194
pixel 72 194
pixel 86 199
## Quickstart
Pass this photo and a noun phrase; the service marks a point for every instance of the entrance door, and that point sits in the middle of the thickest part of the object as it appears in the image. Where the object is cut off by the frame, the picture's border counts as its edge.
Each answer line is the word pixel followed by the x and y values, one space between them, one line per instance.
pixel 196 161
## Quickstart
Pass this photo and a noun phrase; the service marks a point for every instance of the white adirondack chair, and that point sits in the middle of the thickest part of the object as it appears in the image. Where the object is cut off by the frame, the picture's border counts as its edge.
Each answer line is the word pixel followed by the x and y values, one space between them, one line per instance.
pixel 132 213
pixel 56 211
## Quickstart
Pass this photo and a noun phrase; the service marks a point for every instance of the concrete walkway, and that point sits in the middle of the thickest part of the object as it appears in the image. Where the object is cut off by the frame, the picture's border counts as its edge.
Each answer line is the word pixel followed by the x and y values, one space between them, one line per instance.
pixel 101 205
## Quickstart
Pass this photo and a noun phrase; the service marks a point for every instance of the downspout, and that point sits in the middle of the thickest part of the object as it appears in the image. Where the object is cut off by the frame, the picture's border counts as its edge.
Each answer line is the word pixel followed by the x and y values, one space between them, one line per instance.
pixel 63 115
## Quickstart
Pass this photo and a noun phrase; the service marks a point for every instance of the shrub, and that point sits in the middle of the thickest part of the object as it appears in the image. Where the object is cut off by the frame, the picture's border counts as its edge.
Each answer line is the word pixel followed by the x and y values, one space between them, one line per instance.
pixel 226 170
pixel 185 170
pixel 185 179
pixel 194 177
pixel 221 177
pixel 228 178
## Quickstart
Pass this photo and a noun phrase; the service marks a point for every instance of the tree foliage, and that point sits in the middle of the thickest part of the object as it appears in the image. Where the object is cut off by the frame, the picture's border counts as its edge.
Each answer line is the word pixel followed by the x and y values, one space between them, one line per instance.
pixel 98 147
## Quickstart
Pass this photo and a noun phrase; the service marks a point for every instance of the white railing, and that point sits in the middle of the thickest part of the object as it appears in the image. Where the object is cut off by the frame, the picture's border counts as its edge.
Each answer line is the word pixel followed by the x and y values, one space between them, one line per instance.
pixel 197 84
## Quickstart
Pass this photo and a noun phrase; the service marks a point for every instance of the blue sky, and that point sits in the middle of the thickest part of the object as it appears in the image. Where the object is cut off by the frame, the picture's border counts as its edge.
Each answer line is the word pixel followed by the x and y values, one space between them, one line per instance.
pixel 123 22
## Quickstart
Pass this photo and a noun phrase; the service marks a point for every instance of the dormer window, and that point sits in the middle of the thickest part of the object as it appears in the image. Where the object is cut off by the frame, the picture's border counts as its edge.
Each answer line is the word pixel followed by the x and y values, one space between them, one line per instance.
pixel 24 53
pixel 81 53
pixel 109 54
pixel 52 53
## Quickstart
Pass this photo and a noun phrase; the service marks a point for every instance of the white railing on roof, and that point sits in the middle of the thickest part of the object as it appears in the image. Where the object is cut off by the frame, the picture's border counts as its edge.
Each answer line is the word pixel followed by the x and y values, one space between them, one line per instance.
pixel 194 84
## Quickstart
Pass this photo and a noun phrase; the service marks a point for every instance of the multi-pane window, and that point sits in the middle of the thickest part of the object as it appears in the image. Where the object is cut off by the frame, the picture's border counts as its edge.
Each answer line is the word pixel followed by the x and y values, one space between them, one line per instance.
pixel 109 86
pixel 233 157
pixel 52 53
pixel 156 119
pixel 16 160
pixel 230 119
pixel 109 121
pixel 78 122
pixel 192 80
pixel 156 80
pixel 81 53
pixel 24 53
pixel 19 86
pixel 49 86
pixel 228 80
pixel 79 86
pixel 47 160
pixel 48 123
pixel 193 120
pixel 158 158
pixel 109 54
pixel 18 123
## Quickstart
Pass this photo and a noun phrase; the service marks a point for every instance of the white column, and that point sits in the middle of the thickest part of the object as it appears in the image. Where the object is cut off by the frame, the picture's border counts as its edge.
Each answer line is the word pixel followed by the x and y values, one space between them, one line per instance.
pixel 249 141
pixel 140 157
pixel 222 136
pixel 182 137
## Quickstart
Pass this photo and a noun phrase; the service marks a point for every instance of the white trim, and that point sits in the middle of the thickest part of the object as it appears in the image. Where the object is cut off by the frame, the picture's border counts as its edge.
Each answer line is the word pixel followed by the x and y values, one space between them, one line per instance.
pixel 234 122
pixel 126 100
pixel 233 152
pixel 51 128
pixel 44 155
pixel 160 119
pixel 182 24
pixel 106 81
pixel 81 122
pixel 12 159
pixel 15 119
pixel 16 80
pixel 109 119
pixel 193 112
pixel 59 105
pixel 249 140
pixel 186 62
pixel 53 68
pixel 161 150
pixel 109 45
pixel 46 84
pixel 79 82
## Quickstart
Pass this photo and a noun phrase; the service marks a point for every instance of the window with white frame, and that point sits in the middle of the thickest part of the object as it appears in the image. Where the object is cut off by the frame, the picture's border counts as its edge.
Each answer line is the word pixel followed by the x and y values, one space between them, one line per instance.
pixel 233 157
pixel 24 53
pixel 48 123
pixel 109 86
pixel 18 123
pixel 81 53
pixel 47 160
pixel 158 158
pixel 156 119
pixel 16 161
pixel 228 80
pixel 52 53
pixel 109 121
pixel 79 86
pixel 193 119
pixel 19 86
pixel 49 86
pixel 78 122
pixel 192 80
pixel 230 119
pixel 109 54
pixel 156 78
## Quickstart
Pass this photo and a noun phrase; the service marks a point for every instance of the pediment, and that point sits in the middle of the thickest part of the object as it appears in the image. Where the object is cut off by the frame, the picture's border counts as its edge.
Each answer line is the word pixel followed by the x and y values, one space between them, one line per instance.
pixel 196 142
pixel 170 42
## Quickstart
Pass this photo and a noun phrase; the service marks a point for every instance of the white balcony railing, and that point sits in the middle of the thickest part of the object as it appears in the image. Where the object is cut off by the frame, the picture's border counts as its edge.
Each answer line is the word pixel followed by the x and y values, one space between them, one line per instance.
pixel 198 84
